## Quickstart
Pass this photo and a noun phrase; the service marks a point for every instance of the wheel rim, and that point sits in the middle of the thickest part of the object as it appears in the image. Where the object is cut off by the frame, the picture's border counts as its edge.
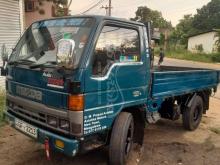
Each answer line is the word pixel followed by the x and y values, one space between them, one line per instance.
pixel 196 114
pixel 129 139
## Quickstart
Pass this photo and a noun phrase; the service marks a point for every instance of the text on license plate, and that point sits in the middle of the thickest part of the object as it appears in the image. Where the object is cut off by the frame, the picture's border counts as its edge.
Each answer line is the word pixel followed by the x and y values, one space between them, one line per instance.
pixel 26 128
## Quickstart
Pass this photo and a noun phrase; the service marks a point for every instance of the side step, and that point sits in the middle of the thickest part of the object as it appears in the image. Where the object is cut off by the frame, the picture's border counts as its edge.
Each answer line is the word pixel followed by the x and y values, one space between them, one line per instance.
pixel 152 117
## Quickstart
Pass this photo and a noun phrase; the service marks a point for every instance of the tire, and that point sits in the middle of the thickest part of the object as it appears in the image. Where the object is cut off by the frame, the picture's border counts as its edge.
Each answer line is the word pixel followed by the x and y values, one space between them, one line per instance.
pixel 121 139
pixel 192 116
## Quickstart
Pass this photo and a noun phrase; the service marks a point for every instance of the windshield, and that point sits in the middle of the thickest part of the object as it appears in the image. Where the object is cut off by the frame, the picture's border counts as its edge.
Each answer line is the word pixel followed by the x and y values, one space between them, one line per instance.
pixel 38 45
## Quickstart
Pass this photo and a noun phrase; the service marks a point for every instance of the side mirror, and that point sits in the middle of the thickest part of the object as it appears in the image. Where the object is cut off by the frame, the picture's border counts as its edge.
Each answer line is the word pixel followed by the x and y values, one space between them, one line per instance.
pixel 4 54
pixel 4 58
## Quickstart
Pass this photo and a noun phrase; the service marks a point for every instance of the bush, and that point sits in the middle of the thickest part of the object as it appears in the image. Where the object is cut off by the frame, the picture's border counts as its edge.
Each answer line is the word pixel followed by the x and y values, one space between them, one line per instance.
pixel 181 53
pixel 216 57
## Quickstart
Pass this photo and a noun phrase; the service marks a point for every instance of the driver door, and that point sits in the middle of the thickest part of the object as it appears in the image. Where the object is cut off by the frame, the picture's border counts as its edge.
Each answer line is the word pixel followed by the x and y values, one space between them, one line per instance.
pixel 116 76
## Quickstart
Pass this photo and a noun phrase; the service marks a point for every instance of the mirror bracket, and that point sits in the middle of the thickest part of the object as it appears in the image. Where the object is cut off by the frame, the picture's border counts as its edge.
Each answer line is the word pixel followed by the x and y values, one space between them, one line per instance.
pixel 3 71
pixel 4 54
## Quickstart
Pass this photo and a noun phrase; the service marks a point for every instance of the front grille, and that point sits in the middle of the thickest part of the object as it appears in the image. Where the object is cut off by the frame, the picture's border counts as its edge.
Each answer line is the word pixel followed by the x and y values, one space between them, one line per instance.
pixel 35 118
pixel 20 110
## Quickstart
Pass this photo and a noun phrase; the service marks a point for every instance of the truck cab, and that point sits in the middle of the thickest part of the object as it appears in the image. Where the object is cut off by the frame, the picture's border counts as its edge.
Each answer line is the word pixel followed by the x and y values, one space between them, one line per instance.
pixel 70 77
pixel 81 82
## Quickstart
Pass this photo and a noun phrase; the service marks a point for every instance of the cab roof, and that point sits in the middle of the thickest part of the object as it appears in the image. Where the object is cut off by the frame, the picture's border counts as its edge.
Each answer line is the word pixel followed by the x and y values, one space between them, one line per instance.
pixel 100 18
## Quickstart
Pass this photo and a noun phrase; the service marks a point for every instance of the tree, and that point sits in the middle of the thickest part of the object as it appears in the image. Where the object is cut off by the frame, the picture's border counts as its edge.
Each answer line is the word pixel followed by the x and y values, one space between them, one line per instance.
pixel 207 18
pixel 63 3
pixel 61 6
pixel 145 14
pixel 183 30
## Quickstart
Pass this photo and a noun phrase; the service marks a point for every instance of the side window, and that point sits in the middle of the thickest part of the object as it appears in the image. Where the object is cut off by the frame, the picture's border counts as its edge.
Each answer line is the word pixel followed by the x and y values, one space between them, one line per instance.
pixel 115 44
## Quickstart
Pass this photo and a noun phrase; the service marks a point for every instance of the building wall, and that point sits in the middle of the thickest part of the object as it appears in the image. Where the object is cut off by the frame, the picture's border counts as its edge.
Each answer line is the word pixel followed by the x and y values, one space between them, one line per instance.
pixel 207 40
pixel 10 26
pixel 31 17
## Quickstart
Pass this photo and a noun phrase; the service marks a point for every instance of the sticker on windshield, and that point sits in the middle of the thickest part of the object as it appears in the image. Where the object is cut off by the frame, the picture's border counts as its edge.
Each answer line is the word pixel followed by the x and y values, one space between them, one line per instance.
pixel 67 36
pixel 71 30
pixel 65 52
pixel 128 58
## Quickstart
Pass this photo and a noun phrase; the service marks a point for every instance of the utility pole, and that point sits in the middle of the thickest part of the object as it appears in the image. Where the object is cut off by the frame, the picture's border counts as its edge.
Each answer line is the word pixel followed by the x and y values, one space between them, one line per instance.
pixel 108 8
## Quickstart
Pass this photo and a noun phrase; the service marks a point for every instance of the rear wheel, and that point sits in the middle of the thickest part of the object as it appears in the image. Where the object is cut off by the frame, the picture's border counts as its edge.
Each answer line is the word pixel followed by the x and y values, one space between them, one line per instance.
pixel 192 116
pixel 121 139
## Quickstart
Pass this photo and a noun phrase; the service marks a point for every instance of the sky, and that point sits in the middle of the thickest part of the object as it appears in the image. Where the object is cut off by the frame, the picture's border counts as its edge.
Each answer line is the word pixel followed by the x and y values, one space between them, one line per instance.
pixel 172 10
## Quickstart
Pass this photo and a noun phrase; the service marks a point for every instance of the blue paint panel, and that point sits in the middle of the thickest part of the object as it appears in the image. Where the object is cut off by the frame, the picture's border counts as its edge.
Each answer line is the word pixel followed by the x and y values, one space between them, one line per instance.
pixel 126 86
pixel 113 97
pixel 32 77
pixel 52 97
pixel 173 83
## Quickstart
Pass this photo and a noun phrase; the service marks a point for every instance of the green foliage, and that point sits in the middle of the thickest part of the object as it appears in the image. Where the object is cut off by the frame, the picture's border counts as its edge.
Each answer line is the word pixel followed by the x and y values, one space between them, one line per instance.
pixel 207 18
pixel 61 6
pixel 216 57
pixel 183 54
pixel 60 2
pixel 183 30
pixel 162 39
pixel 145 14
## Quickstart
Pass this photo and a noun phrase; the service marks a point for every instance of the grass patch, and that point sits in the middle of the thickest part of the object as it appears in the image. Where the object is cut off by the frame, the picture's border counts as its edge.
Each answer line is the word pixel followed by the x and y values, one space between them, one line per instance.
pixel 186 55
pixel 2 107
pixel 215 130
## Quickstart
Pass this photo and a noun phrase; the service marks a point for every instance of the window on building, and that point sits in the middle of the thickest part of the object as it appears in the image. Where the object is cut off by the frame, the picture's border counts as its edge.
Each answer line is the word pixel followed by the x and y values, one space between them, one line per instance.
pixel 29 6
pixel 115 45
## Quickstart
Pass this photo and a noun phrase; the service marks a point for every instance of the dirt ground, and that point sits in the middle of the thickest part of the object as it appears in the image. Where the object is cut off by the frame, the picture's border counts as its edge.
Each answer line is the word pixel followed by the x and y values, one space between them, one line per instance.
pixel 165 143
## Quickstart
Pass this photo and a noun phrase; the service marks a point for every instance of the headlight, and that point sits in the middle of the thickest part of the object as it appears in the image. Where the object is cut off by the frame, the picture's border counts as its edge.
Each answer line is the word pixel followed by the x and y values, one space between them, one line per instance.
pixel 64 124
pixel 52 121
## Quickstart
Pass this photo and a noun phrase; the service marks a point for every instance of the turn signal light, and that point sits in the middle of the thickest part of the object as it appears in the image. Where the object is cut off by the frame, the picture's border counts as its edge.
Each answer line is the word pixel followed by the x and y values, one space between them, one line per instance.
pixel 76 102
pixel 59 144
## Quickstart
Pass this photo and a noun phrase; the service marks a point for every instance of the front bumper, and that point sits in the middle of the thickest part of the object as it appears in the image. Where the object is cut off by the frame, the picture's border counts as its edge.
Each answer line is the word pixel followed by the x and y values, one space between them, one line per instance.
pixel 71 146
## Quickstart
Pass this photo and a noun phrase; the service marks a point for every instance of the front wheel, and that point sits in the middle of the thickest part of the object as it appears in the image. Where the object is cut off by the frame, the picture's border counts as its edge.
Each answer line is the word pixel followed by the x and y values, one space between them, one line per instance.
pixel 121 139
pixel 192 116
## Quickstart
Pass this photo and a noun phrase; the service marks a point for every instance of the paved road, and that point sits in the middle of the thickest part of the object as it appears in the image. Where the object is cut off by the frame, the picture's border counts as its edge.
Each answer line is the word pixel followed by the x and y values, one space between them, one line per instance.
pixel 192 64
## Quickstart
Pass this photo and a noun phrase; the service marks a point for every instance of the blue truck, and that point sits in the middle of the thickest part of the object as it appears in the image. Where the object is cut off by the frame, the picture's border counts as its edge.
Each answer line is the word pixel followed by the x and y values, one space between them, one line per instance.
pixel 82 82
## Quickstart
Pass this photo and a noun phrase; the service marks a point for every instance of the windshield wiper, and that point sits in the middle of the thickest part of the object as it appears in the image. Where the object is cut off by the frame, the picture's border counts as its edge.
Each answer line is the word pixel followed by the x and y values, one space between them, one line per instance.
pixel 48 63
pixel 21 61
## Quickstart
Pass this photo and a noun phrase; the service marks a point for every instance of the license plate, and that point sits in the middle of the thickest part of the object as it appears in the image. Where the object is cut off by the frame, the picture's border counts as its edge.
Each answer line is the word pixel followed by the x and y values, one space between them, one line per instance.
pixel 26 128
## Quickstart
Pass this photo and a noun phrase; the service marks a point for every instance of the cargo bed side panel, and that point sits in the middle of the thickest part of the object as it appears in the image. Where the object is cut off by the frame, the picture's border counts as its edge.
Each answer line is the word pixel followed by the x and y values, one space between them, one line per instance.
pixel 173 83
